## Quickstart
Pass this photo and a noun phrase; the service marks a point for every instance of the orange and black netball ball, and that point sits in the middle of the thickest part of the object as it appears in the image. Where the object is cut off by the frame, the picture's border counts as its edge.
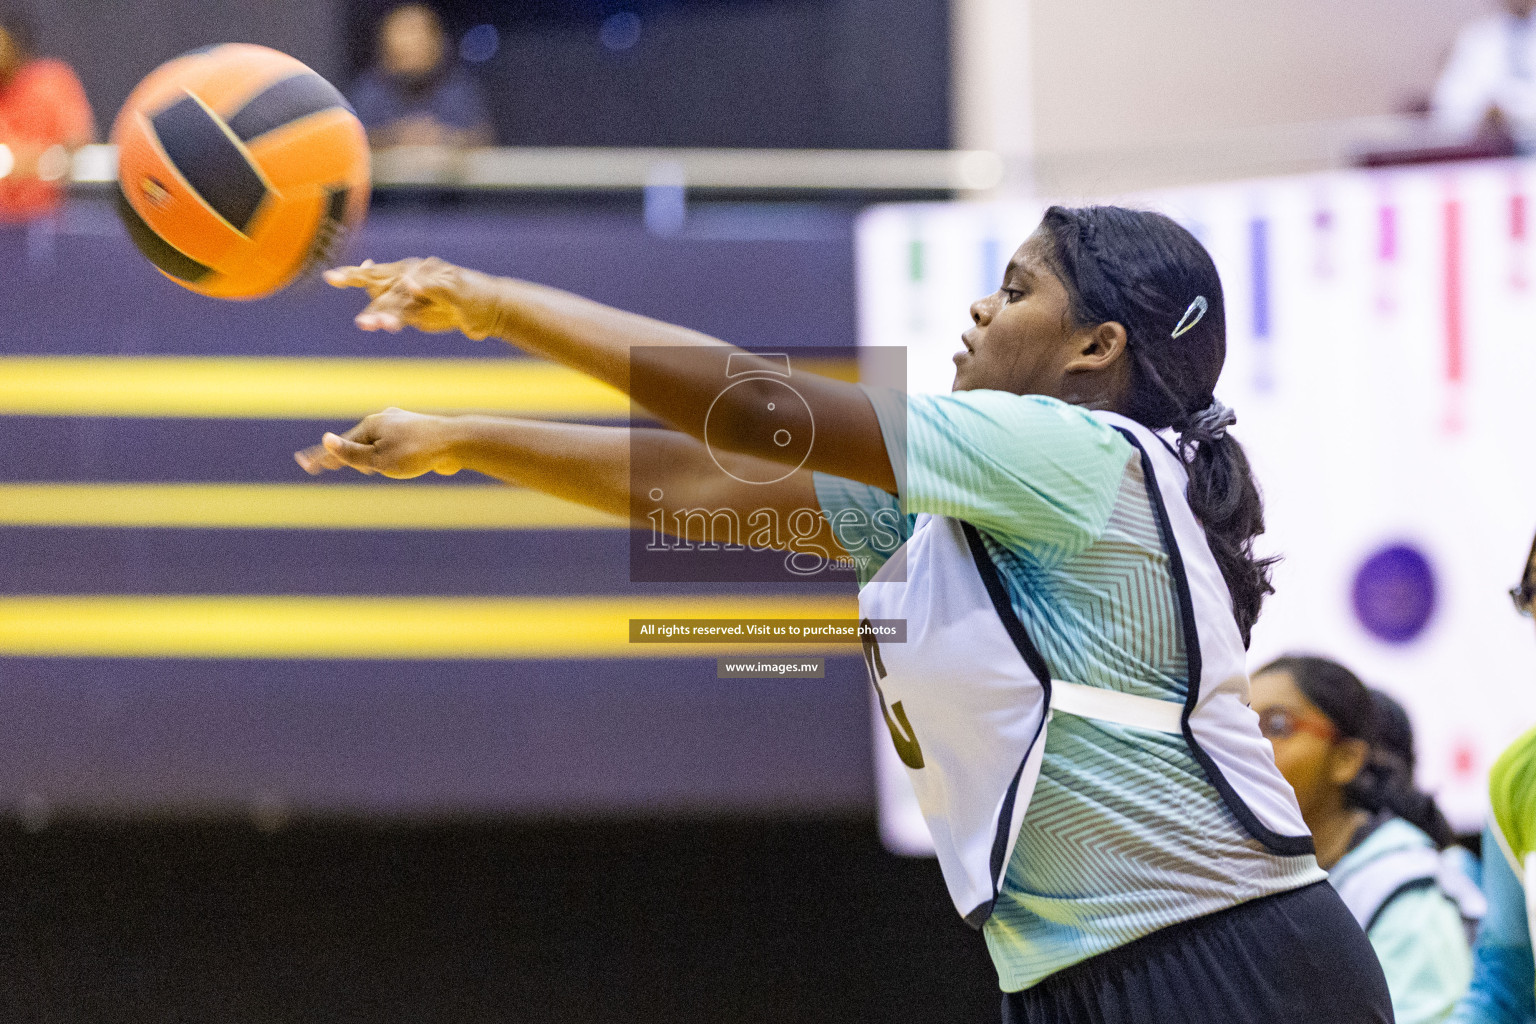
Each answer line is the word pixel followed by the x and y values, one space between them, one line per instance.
pixel 239 169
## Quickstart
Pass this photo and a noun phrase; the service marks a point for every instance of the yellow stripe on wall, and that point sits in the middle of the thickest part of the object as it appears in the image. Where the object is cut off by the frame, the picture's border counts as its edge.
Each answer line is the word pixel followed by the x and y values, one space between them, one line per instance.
pixel 270 388
pixel 406 506
pixel 262 388
pixel 380 627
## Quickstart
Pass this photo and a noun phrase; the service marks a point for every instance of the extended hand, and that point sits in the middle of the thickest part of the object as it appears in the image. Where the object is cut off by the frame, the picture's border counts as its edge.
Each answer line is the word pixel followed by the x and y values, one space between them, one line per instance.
pixel 427 294
pixel 394 442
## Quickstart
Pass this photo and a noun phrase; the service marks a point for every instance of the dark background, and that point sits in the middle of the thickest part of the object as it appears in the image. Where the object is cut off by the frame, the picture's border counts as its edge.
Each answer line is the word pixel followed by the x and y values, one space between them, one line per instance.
pixel 747 73
pixel 739 920
pixel 577 735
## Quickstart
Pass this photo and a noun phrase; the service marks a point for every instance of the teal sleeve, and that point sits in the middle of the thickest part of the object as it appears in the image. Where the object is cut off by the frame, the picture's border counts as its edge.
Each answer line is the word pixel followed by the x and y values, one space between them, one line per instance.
pixel 1422 946
pixel 1503 987
pixel 1036 473
pixel 866 521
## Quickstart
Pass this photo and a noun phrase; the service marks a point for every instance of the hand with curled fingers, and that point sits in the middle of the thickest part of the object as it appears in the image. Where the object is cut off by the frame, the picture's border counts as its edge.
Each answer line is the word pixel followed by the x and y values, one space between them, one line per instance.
pixel 428 294
pixel 394 443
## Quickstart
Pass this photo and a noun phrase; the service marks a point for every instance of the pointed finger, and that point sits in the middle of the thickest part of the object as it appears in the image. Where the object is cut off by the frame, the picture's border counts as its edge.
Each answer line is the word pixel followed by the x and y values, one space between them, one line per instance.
pixel 351 453
pixel 316 459
pixel 388 311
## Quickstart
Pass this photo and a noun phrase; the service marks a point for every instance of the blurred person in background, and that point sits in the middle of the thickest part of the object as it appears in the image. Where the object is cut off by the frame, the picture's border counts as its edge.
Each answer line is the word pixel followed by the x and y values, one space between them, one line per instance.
pixel 44 118
pixel 1488 86
pixel 1378 837
pixel 1504 969
pixel 1462 877
pixel 416 94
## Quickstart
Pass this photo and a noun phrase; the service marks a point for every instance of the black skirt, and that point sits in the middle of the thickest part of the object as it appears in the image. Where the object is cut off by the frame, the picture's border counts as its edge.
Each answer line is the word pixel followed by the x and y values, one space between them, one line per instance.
pixel 1293 958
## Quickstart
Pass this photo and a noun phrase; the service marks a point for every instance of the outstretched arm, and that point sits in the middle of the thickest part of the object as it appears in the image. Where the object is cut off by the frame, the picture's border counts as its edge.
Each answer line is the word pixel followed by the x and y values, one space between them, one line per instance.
pixel 588 465
pixel 680 375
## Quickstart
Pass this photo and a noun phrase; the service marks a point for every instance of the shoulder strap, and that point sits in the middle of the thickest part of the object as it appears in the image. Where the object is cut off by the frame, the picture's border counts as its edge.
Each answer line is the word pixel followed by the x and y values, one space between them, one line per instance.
pixel 1455 883
pixel 1367 890
pixel 997 592
pixel 1278 800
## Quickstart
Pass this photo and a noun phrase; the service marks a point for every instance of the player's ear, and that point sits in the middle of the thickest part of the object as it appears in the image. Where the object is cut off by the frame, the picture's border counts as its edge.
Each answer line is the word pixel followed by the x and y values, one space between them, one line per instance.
pixel 1098 347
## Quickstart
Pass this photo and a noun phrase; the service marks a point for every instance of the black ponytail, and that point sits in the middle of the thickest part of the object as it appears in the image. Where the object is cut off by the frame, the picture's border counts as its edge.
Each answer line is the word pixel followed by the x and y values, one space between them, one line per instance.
pixel 1385 783
pixel 1143 271
pixel 1394 754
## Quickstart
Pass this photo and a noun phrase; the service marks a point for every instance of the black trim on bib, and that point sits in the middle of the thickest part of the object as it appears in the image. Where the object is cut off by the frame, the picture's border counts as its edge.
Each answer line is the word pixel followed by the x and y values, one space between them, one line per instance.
pixel 978 917
pixel 998 592
pixel 1287 846
pixel 1408 886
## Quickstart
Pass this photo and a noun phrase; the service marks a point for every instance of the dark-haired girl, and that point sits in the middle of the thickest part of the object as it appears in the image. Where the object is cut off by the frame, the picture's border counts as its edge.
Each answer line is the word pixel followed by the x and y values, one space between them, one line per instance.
pixel 1377 835
pixel 1075 569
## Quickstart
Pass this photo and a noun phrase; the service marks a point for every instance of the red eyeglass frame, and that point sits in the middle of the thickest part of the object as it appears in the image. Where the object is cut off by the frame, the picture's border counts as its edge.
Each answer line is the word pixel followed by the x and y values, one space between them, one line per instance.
pixel 1297 722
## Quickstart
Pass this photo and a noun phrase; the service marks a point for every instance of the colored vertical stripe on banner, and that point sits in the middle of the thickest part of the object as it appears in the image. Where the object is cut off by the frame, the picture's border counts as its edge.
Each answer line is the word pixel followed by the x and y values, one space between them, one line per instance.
pixel 1322 237
pixel 1454 356
pixel 916 268
pixel 991 268
pixel 1455 338
pixel 1386 257
pixel 1258 235
pixel 1519 280
pixel 1258 244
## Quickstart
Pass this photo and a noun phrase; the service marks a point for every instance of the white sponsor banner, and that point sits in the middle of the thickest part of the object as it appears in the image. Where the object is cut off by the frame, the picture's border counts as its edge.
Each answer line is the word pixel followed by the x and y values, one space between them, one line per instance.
pixel 1381 358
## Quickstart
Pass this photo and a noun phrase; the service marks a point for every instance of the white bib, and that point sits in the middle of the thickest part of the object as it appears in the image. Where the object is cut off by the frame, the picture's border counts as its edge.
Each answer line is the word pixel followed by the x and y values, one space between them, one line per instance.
pixel 967 698
pixel 1367 890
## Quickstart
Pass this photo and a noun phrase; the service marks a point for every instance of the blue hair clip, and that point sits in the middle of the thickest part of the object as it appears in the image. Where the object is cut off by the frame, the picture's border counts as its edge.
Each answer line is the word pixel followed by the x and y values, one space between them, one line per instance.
pixel 1193 315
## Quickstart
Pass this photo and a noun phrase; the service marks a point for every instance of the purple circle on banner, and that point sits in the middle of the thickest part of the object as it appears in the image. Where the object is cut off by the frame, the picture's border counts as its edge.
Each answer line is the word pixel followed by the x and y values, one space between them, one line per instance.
pixel 1394 593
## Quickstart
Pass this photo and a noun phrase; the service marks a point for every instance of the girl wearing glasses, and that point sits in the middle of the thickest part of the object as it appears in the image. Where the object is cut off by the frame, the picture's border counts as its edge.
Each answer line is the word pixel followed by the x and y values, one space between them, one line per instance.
pixel 1378 837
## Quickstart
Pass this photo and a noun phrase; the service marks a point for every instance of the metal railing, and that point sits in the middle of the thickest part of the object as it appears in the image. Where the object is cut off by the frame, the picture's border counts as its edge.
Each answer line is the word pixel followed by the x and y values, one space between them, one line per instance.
pixel 1185 158
pixel 622 169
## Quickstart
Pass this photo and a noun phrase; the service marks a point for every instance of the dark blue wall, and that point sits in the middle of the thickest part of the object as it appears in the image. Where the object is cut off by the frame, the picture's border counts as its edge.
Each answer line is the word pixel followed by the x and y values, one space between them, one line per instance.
pixel 573 736
pixel 112 44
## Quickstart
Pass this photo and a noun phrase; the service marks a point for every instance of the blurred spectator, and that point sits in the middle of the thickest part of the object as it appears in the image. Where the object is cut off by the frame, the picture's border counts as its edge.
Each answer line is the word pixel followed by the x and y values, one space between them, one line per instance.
pixel 1376 835
pixel 416 94
pixel 1462 871
pixel 1489 85
pixel 44 118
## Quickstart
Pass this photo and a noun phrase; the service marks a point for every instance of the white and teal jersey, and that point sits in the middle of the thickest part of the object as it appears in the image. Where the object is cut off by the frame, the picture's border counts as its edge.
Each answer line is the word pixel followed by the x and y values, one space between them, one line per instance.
pixel 1126 830
pixel 1391 884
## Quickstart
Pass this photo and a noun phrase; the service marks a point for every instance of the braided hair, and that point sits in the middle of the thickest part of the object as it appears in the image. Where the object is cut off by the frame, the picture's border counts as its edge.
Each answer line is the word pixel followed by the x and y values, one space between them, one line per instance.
pixel 1385 783
pixel 1143 271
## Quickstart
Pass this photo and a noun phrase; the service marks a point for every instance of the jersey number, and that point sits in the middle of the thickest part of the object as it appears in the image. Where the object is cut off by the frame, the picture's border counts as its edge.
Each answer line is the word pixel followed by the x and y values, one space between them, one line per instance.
pixel 907 747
